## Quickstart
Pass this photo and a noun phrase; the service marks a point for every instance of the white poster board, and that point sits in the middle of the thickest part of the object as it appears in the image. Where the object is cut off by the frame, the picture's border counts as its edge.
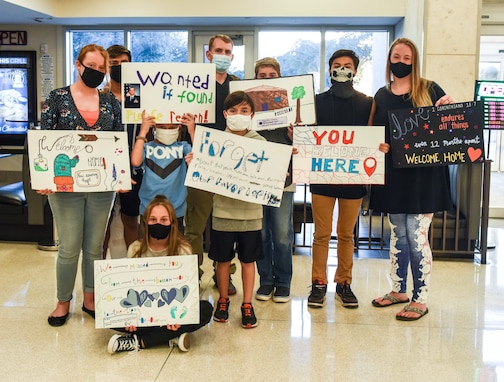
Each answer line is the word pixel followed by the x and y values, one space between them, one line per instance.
pixel 167 91
pixel 338 155
pixel 242 168
pixel 279 102
pixel 150 291
pixel 79 160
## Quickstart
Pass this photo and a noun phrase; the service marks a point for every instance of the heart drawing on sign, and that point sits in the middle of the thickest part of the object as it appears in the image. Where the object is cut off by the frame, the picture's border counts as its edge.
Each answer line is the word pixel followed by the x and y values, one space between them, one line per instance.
pixel 474 154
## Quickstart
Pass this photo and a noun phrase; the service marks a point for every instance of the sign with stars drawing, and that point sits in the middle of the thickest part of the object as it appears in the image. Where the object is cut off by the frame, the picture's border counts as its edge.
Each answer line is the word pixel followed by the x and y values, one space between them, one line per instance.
pixel 79 160
pixel 150 291
pixel 435 136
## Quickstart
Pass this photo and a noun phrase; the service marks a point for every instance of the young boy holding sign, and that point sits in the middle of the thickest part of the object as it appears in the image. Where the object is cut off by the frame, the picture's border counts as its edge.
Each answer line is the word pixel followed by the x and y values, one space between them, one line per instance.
pixel 235 222
pixel 162 159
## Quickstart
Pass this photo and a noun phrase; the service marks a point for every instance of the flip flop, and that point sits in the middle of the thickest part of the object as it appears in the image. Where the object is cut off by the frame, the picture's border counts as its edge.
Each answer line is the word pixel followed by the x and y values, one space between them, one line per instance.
pixel 390 298
pixel 409 308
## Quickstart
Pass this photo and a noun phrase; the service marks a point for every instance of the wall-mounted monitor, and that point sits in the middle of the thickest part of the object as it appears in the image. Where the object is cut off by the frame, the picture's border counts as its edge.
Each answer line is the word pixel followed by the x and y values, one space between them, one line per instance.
pixel 491 94
pixel 18 96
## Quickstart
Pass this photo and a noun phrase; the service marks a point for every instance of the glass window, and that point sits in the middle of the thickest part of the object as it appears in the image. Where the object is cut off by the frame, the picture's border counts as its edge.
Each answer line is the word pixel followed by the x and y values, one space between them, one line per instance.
pixel 159 46
pixel 298 53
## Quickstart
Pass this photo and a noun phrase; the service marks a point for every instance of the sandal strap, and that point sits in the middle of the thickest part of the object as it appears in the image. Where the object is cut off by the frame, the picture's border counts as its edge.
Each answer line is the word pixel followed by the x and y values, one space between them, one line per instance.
pixel 409 308
pixel 391 298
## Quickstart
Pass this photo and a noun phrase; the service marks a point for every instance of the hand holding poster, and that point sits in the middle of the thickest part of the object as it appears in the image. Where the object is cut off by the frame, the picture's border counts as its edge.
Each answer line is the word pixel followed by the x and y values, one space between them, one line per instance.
pixel 167 91
pixel 79 160
pixel 338 155
pixel 238 167
pixel 150 291
pixel 279 102
pixel 435 136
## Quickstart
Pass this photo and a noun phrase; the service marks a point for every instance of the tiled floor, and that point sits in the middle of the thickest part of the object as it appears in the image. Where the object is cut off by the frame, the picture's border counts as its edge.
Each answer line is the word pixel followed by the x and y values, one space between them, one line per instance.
pixel 459 340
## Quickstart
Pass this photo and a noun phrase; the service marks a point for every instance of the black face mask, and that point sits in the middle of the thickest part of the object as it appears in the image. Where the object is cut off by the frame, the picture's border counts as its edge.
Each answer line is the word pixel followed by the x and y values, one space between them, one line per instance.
pixel 400 70
pixel 115 73
pixel 159 231
pixel 91 77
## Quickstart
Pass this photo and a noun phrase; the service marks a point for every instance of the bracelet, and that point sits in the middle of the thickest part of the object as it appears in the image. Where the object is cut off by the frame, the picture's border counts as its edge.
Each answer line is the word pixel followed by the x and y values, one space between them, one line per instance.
pixel 141 138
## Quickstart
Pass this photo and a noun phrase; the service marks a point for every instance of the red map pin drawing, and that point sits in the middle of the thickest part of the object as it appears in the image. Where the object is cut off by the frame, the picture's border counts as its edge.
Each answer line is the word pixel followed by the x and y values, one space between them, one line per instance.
pixel 370 169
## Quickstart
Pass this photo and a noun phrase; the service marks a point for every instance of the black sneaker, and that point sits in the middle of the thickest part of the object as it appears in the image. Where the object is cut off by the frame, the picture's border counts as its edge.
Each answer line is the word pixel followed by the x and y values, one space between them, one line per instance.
pixel 264 292
pixel 316 298
pixel 222 311
pixel 249 319
pixel 282 294
pixel 346 296
pixel 119 343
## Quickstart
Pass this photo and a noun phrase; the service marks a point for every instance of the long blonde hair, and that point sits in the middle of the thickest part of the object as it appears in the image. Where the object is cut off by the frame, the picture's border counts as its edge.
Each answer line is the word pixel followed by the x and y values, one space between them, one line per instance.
pixel 176 241
pixel 419 92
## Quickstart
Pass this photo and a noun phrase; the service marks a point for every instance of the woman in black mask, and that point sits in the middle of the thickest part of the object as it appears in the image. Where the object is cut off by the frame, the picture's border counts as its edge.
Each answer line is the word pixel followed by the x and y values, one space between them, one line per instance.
pixel 81 217
pixel 411 195
pixel 160 237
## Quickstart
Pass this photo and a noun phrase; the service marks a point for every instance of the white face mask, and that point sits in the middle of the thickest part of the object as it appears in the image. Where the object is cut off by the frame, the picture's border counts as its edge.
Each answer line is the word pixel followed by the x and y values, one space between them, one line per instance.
pixel 167 136
pixel 342 74
pixel 238 122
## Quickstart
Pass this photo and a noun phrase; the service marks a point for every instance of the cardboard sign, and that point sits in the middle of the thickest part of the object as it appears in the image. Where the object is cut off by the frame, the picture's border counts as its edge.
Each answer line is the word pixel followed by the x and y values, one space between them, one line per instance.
pixel 338 155
pixel 242 168
pixel 151 291
pixel 281 101
pixel 79 160
pixel 435 136
pixel 167 91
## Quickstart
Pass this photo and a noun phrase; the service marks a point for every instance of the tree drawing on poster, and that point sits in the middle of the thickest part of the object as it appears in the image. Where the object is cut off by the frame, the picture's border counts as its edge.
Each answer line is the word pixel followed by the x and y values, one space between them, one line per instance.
pixel 79 161
pixel 151 291
pixel 297 94
pixel 279 102
pixel 435 136
pixel 168 90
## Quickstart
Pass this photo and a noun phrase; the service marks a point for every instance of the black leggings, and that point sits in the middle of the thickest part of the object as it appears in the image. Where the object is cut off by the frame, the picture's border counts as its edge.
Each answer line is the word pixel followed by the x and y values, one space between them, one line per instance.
pixel 160 335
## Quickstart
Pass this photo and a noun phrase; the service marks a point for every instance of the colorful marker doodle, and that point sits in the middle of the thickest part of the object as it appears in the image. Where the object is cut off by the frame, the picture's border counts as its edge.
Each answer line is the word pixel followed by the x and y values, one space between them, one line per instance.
pixel 146 291
pixel 79 161
pixel 436 136
pixel 338 155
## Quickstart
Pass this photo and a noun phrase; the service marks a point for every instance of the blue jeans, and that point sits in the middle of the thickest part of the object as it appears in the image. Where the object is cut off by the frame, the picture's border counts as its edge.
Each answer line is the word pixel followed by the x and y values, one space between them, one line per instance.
pixel 409 244
pixel 277 237
pixel 81 220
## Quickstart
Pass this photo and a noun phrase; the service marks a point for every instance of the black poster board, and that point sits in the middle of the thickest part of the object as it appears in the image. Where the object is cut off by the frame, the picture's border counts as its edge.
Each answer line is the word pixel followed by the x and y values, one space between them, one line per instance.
pixel 435 136
pixel 491 95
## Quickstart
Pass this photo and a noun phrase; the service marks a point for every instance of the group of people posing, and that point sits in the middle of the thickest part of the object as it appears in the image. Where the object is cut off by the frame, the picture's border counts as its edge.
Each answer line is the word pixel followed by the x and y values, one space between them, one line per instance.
pixel 173 218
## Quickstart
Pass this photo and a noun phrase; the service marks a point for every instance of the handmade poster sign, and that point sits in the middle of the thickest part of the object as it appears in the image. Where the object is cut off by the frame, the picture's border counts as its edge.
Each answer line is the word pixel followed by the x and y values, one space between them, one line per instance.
pixel 151 291
pixel 241 168
pixel 79 160
pixel 435 136
pixel 279 102
pixel 338 155
pixel 167 91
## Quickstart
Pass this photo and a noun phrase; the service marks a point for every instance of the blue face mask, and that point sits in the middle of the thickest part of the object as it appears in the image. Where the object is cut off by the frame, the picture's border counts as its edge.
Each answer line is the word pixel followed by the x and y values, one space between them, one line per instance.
pixel 222 62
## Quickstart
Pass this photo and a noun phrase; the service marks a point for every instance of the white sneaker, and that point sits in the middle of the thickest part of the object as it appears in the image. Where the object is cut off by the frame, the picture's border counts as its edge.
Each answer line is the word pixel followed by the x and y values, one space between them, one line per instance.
pixel 183 342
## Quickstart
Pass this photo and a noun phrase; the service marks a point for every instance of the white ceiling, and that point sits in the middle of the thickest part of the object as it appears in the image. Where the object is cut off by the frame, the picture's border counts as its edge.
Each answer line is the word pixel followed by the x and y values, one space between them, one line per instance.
pixel 11 14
